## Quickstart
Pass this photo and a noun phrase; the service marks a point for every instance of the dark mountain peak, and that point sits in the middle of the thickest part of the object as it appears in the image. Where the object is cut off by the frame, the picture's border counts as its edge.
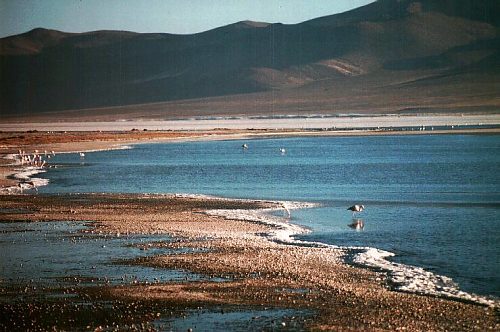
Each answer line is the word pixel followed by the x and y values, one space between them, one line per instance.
pixel 381 10
pixel 235 30
pixel 46 70
pixel 477 10
pixel 239 26
pixel 44 36
pixel 31 42
pixel 251 24
pixel 487 11
pixel 44 33
pixel 99 38
pixel 36 40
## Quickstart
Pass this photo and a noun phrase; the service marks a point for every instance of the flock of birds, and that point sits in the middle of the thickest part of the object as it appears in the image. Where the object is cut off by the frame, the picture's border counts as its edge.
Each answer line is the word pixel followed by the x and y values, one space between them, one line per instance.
pixel 36 159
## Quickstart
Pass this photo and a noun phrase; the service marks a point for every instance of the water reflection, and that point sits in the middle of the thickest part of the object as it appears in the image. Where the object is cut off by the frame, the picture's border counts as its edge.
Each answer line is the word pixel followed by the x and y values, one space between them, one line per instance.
pixel 357 224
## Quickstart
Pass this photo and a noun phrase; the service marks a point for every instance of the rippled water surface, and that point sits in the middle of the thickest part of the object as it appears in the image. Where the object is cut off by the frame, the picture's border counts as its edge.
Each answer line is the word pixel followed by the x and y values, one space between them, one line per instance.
pixel 432 200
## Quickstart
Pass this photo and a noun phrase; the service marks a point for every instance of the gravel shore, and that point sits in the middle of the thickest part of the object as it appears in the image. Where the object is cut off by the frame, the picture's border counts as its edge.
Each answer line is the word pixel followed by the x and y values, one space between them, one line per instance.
pixel 256 272
pixel 244 268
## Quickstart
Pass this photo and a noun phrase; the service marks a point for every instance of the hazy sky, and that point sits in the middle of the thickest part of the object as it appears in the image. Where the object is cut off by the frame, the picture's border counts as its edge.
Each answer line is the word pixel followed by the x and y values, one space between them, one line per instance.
pixel 173 16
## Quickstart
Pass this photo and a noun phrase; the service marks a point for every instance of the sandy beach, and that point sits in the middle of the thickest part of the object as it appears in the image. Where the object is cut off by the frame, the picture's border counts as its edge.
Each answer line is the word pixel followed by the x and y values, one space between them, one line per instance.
pixel 258 272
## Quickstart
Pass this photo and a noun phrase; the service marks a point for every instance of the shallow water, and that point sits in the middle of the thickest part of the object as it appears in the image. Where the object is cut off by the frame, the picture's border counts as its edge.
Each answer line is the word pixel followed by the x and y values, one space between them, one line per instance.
pixel 59 254
pixel 434 201
pixel 241 320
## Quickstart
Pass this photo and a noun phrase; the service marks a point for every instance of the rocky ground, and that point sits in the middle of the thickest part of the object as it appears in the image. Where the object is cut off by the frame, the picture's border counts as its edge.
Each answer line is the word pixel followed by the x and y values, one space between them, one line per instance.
pixel 251 272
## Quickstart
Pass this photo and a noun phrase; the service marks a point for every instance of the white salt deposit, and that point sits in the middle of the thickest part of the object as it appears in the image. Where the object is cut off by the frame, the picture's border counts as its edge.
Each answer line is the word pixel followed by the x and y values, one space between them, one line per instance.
pixel 414 279
pixel 403 277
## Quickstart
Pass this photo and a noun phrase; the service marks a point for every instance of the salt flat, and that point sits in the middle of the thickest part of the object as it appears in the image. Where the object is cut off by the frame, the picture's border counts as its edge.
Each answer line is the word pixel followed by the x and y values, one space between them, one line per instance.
pixel 338 122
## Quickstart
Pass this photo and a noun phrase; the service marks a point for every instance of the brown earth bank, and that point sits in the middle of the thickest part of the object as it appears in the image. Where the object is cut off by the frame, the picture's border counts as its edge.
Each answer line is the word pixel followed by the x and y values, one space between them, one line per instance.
pixel 257 272
pixel 11 142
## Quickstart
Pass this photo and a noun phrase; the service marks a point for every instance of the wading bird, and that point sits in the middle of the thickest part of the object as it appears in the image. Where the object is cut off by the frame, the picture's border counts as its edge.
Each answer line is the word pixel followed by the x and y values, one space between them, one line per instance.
pixel 32 185
pixel 356 208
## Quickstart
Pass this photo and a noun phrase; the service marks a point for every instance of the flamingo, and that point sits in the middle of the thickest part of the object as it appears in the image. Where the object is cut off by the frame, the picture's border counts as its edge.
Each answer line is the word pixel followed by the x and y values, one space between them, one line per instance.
pixel 20 186
pixel 285 208
pixel 356 208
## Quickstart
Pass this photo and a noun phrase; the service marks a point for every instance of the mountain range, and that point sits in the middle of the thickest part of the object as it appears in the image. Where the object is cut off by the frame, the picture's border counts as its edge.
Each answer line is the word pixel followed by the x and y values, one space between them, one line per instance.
pixel 390 56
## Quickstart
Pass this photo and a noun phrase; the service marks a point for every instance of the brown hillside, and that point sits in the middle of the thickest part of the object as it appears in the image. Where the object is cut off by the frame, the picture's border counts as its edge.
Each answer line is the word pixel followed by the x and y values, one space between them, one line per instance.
pixel 377 57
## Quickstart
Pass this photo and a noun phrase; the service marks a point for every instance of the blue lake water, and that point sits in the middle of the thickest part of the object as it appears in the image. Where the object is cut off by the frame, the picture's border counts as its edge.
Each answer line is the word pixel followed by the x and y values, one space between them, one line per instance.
pixel 434 201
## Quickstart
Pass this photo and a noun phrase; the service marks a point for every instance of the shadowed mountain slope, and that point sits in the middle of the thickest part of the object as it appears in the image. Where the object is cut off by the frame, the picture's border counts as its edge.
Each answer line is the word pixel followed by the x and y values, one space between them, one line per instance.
pixel 387 46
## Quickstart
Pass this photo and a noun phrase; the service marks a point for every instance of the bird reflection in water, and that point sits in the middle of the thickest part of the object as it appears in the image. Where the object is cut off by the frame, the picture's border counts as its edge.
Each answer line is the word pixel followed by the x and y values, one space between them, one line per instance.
pixel 357 224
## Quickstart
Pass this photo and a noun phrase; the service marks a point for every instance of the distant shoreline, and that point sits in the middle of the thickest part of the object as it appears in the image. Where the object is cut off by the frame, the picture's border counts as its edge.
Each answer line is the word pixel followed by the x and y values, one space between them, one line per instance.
pixel 266 273
pixel 277 123
pixel 86 136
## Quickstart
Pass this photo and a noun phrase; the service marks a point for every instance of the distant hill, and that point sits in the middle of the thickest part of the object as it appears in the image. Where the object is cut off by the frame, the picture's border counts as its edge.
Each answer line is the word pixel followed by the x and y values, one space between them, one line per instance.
pixel 388 56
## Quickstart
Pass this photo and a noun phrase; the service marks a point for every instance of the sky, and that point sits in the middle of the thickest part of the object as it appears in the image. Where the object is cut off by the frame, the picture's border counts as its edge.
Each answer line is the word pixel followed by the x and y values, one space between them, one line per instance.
pixel 170 16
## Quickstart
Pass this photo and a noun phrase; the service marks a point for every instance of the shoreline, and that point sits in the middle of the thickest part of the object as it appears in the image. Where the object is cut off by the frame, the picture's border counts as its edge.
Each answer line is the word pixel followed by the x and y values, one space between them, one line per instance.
pixel 398 275
pixel 333 122
pixel 240 245
pixel 429 284
pixel 253 267
pixel 376 260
